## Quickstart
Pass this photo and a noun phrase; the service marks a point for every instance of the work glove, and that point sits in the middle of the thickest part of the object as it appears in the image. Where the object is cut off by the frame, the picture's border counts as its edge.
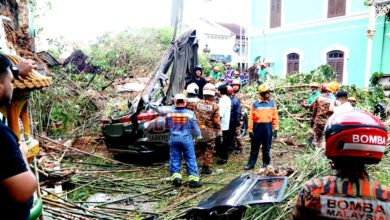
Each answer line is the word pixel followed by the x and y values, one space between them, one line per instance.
pixel 251 135
pixel 275 134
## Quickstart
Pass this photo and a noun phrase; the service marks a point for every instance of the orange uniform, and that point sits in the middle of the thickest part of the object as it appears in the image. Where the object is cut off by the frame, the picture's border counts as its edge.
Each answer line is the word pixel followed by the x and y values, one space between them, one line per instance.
pixel 335 197
pixel 263 112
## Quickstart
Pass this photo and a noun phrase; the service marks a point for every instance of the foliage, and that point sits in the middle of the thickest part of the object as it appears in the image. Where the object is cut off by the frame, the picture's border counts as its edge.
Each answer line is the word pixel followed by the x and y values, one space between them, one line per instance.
pixel 130 53
pixel 323 73
pixel 65 106
pixel 375 78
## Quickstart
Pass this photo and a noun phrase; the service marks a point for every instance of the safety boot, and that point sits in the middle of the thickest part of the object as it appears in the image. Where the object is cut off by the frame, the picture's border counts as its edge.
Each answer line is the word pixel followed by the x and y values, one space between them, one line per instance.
pixel 176 182
pixel 194 184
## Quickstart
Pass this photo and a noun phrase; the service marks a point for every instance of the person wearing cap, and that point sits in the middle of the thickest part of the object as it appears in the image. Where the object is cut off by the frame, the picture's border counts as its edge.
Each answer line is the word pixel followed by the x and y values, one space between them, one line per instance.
pixel 207 113
pixel 263 126
pixel 314 94
pixel 215 73
pixel 341 104
pixel 353 140
pixel 237 141
pixel 228 74
pixel 321 112
pixel 182 124
pixel 353 102
pixel 192 96
pixel 199 80
pixel 224 106
pixel 262 73
pixel 18 183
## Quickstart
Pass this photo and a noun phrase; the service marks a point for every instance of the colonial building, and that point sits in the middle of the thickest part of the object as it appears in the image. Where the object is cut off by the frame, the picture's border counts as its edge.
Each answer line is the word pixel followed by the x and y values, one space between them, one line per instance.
pixel 299 35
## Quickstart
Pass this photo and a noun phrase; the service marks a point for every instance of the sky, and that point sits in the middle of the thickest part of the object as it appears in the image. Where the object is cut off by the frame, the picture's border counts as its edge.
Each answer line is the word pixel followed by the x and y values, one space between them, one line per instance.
pixel 84 20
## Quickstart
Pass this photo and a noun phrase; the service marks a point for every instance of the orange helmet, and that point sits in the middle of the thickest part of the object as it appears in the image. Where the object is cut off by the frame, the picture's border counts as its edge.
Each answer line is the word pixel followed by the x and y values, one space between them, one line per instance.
pixel 333 87
pixel 355 134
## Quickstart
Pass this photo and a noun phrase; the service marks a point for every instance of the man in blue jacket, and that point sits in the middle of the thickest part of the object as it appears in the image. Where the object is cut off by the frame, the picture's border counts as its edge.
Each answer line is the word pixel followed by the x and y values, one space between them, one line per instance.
pixel 182 123
pixel 235 117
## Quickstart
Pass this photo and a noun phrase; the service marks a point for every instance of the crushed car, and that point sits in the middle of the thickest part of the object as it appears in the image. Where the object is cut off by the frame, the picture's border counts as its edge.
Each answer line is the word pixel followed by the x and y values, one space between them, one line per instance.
pixel 141 130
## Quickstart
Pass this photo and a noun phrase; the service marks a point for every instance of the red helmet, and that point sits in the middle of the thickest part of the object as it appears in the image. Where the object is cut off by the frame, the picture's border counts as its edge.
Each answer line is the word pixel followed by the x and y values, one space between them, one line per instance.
pixel 323 87
pixel 230 90
pixel 356 134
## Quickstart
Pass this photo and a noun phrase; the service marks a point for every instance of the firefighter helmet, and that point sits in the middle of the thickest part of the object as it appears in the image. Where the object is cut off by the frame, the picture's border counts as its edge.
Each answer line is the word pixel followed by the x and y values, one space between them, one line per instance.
pixel 235 82
pixel 333 87
pixel 180 100
pixel 355 134
pixel 193 88
pixel 263 88
pixel 209 89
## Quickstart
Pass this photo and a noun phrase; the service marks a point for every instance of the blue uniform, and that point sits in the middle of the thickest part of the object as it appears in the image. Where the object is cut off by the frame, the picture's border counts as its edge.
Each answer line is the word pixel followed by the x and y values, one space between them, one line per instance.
pixel 182 124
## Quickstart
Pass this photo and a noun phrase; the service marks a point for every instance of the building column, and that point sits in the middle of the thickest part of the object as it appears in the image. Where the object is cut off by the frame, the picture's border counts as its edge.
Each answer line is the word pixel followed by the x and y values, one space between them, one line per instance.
pixel 370 36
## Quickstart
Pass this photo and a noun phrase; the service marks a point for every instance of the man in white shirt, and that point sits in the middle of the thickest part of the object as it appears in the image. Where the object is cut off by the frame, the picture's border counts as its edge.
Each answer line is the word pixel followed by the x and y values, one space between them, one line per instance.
pixel 341 104
pixel 224 111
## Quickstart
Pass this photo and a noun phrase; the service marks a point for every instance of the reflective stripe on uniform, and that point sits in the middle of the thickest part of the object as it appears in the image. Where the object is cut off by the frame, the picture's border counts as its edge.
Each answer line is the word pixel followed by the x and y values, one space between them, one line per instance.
pixel 175 176
pixel 193 178
pixel 365 147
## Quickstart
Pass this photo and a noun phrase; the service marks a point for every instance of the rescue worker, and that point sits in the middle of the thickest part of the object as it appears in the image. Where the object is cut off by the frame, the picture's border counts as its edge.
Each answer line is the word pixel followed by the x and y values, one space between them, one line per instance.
pixel 263 126
pixel 215 73
pixel 237 141
pixel 182 122
pixel 207 113
pixel 353 140
pixel 235 119
pixel 333 87
pixel 314 94
pixel 199 80
pixel 224 106
pixel 192 96
pixel 321 112
pixel 341 104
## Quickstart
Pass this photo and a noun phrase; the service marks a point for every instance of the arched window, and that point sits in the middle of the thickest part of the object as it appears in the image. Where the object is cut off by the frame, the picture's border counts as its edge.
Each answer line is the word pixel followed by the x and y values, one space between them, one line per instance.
pixel 292 63
pixel 335 59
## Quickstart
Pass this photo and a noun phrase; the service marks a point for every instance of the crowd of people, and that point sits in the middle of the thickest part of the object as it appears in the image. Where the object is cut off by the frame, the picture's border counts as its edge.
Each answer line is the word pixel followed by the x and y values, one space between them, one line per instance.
pixel 212 111
pixel 353 139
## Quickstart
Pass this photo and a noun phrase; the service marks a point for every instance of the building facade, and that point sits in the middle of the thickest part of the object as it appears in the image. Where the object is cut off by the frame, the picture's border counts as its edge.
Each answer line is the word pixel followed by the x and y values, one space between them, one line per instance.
pixel 300 35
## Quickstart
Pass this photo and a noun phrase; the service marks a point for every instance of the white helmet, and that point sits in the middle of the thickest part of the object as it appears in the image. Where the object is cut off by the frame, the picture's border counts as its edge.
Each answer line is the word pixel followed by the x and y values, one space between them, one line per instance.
pixel 209 89
pixel 180 100
pixel 193 88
